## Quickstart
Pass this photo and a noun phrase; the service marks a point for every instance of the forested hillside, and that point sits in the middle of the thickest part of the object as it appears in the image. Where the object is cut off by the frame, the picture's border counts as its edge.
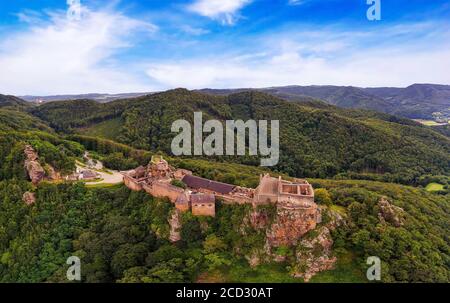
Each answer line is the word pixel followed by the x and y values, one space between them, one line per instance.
pixel 17 129
pixel 122 236
pixel 417 101
pixel 14 102
pixel 316 140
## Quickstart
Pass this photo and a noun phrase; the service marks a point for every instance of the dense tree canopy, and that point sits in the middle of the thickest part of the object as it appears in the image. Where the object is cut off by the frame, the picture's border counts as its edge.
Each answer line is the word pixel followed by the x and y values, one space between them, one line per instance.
pixel 316 141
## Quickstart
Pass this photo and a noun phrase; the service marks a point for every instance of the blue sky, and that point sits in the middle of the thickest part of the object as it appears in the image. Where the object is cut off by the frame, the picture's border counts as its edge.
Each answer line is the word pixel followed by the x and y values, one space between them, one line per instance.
pixel 153 45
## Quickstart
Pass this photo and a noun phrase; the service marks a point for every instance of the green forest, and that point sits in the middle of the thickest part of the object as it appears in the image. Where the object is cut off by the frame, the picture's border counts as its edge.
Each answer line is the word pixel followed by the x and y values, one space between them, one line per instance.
pixel 315 140
pixel 352 158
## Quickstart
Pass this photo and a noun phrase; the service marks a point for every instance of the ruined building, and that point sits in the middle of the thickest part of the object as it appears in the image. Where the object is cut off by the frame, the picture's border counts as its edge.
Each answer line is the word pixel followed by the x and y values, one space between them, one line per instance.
pixel 296 211
pixel 201 194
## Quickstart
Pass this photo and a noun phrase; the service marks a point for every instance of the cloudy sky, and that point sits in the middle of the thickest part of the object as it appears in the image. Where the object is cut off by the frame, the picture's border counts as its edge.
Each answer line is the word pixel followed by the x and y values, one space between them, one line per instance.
pixel 152 45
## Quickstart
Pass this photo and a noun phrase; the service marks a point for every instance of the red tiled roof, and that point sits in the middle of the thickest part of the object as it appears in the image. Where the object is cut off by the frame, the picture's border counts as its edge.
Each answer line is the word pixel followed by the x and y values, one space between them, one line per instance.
pixel 197 182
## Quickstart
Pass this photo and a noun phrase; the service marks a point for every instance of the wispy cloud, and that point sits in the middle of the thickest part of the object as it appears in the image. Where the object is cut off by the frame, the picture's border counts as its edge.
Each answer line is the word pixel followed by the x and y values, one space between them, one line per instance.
pixel 57 55
pixel 328 56
pixel 109 51
pixel 225 11
pixel 195 31
pixel 297 2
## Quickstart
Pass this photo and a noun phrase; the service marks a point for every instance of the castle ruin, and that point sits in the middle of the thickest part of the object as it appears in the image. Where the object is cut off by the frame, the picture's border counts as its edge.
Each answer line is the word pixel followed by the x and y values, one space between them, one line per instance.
pixel 296 211
pixel 295 198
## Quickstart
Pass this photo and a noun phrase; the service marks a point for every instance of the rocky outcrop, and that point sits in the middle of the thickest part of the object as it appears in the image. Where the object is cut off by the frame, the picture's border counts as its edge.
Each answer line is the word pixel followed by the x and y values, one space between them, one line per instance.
pixel 175 226
pixel 292 236
pixel 390 213
pixel 29 198
pixel 291 223
pixel 314 254
pixel 336 219
pixel 258 219
pixel 52 174
pixel 35 171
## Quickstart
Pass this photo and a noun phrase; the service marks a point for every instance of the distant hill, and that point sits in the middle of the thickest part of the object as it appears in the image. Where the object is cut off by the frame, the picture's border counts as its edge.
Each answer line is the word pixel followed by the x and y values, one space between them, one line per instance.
pixel 418 101
pixel 96 97
pixel 317 140
pixel 12 101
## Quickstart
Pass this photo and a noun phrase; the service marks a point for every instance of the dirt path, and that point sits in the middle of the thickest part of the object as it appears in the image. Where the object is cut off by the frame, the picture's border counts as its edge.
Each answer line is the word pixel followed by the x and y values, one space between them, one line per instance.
pixel 113 177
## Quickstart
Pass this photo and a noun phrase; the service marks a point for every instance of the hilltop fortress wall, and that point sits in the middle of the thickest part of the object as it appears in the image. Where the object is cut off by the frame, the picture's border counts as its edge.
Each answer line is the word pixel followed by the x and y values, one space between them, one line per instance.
pixel 131 183
pixel 293 199
pixel 162 189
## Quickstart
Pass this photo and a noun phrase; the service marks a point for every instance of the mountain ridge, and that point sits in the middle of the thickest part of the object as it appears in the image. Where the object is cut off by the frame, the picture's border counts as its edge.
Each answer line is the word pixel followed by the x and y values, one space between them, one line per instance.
pixel 417 101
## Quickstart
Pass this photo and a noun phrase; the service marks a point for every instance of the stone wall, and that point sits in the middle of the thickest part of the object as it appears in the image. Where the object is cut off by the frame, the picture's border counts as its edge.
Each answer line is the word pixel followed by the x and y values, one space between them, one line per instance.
pixel 204 209
pixel 182 207
pixel 131 183
pixel 296 199
pixel 232 199
pixel 160 189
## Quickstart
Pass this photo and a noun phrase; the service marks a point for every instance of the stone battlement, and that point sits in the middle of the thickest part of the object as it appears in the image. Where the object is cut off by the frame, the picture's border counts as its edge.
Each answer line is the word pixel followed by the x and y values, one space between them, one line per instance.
pixel 201 194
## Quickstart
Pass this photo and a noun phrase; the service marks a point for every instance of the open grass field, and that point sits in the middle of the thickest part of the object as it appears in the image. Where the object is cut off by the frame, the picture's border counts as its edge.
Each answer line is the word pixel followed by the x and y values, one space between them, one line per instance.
pixel 108 129
pixel 429 122
pixel 103 185
pixel 434 187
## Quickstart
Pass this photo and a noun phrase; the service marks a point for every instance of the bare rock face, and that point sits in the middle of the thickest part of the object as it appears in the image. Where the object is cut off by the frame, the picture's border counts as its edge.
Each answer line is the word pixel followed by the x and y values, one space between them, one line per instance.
pixel 29 198
pixel 336 220
pixel 175 226
pixel 35 171
pixel 292 235
pixel 390 213
pixel 314 255
pixel 258 219
pixel 30 153
pixel 254 259
pixel 291 224
pixel 53 175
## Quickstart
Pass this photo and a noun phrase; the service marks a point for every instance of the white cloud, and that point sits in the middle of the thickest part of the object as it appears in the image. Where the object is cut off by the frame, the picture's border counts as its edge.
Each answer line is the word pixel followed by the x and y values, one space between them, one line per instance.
pixel 313 58
pixel 297 2
pixel 62 56
pixel 226 11
pixel 195 31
